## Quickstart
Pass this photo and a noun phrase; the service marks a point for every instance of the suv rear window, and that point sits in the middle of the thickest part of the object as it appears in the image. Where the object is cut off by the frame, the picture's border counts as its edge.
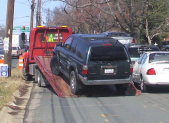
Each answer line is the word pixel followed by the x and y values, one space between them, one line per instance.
pixel 110 53
pixel 138 51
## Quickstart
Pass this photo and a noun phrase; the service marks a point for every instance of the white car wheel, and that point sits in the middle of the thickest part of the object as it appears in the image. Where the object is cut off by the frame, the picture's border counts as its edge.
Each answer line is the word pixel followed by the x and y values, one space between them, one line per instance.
pixel 143 87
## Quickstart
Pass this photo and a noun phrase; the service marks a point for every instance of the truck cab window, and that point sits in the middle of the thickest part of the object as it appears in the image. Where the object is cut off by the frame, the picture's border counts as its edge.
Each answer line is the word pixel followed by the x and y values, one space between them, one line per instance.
pixel 51 37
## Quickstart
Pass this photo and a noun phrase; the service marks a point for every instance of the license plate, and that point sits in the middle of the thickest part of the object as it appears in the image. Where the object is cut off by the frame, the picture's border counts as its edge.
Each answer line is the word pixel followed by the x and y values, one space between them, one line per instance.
pixel 108 70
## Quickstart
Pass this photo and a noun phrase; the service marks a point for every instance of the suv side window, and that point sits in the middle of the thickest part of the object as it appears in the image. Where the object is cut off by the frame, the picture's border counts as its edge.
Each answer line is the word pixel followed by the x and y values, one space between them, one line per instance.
pixel 67 43
pixel 73 46
pixel 81 50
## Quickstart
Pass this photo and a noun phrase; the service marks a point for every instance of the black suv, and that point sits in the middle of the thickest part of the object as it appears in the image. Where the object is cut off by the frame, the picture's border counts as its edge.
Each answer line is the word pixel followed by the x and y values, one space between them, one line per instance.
pixel 92 59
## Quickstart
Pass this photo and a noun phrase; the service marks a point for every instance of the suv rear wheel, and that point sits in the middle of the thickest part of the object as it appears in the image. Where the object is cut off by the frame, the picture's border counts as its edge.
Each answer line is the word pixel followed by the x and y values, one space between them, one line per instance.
pixel 54 65
pixel 74 84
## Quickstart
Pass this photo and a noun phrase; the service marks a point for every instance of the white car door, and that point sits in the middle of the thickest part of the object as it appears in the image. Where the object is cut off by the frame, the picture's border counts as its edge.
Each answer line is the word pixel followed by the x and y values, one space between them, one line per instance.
pixel 140 67
pixel 136 68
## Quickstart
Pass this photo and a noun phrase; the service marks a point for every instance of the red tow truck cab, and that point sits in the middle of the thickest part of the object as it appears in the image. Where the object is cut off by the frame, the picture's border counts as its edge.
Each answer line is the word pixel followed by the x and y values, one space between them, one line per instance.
pixel 42 42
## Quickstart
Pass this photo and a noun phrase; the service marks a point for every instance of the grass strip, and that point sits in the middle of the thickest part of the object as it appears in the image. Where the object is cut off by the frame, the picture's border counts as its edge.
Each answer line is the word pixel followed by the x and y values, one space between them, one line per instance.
pixel 8 85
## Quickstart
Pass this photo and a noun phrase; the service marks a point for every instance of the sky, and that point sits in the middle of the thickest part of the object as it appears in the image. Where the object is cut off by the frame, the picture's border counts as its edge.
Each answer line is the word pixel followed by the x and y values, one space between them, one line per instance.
pixel 22 12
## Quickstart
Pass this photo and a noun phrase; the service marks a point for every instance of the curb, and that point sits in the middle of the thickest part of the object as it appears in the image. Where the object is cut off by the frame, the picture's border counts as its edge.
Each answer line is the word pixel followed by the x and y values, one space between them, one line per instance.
pixel 15 110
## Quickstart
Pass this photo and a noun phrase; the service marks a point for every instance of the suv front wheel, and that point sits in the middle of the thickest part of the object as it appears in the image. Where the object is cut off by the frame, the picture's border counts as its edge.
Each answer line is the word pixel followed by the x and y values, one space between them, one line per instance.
pixel 54 65
pixel 74 83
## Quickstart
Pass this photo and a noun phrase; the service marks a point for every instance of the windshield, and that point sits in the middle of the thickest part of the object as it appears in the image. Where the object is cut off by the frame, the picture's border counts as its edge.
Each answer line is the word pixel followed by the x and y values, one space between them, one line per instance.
pixel 110 53
pixel 138 51
pixel 155 57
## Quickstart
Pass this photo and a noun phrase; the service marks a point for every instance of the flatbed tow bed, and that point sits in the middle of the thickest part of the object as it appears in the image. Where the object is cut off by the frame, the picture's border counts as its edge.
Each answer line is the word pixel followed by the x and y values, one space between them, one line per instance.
pixel 62 89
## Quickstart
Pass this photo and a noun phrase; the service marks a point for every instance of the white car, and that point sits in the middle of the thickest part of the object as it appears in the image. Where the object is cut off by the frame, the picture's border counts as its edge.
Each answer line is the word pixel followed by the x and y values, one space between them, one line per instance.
pixel 152 68
pixel 15 51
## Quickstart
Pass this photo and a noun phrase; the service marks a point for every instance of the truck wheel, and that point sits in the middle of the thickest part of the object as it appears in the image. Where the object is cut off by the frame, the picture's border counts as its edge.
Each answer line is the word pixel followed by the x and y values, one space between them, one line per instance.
pixel 36 74
pixel 74 83
pixel 39 78
pixel 54 65
pixel 28 77
pixel 24 70
pixel 121 87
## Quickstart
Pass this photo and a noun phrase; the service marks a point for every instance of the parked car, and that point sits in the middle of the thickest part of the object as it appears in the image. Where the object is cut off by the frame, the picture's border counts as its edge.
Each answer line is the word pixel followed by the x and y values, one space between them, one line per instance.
pixel 136 50
pixel 15 51
pixel 165 47
pixel 151 69
pixel 88 59
pixel 1 53
pixel 122 37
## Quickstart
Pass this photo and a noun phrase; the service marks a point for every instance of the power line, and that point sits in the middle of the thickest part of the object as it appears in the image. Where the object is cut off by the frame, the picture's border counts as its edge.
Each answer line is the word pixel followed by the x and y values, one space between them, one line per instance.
pixel 17 18
pixel 23 3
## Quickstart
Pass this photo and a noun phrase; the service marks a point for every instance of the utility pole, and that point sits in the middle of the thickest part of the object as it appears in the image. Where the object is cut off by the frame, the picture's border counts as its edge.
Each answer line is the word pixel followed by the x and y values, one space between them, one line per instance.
pixel 38 14
pixel 32 13
pixel 8 35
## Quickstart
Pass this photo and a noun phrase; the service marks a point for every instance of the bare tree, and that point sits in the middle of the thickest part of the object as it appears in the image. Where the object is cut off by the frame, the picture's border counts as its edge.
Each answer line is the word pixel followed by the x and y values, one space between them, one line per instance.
pixel 127 15
pixel 157 20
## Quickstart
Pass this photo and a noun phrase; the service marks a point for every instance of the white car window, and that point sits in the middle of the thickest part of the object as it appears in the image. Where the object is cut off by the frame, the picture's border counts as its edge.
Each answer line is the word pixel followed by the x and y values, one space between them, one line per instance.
pixel 144 58
pixel 139 60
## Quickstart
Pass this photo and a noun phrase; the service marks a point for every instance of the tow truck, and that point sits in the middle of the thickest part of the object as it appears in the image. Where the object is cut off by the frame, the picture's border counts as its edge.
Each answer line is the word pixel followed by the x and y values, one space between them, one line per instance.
pixel 36 61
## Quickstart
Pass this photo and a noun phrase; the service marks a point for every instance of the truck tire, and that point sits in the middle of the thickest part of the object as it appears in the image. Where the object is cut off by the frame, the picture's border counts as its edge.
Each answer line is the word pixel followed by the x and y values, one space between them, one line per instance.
pixel 74 83
pixel 28 77
pixel 36 74
pixel 39 78
pixel 54 65
pixel 121 87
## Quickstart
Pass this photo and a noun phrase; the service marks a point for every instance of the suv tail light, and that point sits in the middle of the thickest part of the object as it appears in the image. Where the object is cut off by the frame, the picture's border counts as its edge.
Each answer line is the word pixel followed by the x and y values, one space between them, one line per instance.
pixel 107 44
pixel 131 68
pixel 85 69
pixel 133 41
pixel 151 71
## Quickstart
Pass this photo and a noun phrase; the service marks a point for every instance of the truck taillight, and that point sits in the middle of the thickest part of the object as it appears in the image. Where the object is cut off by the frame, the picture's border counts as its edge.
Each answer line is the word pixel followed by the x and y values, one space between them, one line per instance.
pixel 85 69
pixel 151 71
pixel 133 41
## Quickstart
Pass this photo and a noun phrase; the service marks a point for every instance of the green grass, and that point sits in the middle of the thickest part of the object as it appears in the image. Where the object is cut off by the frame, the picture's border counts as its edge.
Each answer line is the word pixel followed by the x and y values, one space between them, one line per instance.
pixel 8 85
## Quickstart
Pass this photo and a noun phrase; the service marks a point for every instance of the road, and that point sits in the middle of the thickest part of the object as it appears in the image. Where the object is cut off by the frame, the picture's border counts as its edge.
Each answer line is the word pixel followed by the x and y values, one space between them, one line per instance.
pixel 46 107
